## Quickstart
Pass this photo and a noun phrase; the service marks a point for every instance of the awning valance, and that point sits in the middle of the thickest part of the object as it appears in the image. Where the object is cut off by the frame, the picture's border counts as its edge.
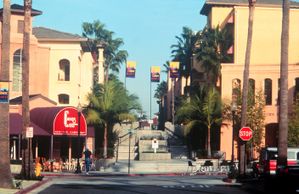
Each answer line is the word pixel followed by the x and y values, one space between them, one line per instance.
pixel 16 125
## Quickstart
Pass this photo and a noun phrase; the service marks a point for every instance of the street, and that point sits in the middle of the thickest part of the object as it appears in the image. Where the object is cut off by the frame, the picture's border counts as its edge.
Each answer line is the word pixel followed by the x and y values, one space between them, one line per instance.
pixel 139 184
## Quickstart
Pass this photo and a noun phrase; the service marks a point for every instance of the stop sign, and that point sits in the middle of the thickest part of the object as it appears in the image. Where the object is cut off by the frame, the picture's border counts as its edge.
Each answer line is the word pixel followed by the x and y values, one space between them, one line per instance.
pixel 245 133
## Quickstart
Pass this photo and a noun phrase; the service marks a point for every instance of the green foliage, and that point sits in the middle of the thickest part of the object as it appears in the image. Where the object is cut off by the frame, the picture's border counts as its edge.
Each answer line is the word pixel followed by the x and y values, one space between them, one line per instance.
pixel 202 109
pixel 212 50
pixel 161 90
pixel 98 34
pixel 293 133
pixel 109 104
pixel 256 117
pixel 184 49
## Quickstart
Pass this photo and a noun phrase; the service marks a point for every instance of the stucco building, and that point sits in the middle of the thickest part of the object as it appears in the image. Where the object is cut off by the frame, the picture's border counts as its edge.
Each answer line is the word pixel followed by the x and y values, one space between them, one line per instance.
pixel 264 74
pixel 60 75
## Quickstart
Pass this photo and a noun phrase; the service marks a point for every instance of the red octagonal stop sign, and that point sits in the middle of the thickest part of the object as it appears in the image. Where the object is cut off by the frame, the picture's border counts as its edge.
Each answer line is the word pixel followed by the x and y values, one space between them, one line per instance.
pixel 245 133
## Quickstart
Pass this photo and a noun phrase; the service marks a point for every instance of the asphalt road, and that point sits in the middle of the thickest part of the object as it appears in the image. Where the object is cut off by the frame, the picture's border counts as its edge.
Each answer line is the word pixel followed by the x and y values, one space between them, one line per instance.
pixel 139 185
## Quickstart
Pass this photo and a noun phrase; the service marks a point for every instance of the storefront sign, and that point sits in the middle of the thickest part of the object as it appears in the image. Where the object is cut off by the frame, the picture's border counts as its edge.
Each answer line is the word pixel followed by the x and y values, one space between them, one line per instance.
pixel 4 92
pixel 66 122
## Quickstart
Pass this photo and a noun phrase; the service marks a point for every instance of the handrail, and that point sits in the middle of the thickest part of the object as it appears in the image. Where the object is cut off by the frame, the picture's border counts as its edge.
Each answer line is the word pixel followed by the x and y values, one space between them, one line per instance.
pixel 119 141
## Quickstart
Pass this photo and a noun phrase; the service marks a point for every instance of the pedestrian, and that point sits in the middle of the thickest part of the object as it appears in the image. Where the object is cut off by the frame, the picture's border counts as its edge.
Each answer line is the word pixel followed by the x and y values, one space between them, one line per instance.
pixel 87 155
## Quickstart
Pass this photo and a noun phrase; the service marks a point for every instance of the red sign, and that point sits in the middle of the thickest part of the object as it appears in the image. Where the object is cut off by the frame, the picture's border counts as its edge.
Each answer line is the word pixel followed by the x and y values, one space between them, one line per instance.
pixel 66 122
pixel 245 133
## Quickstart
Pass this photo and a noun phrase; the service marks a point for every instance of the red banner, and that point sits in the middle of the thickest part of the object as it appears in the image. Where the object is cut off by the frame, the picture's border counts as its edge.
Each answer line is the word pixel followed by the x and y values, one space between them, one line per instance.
pixel 66 122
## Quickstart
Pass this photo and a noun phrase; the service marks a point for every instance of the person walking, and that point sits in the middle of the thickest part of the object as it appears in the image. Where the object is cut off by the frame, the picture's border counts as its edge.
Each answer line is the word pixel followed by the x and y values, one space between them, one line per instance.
pixel 87 155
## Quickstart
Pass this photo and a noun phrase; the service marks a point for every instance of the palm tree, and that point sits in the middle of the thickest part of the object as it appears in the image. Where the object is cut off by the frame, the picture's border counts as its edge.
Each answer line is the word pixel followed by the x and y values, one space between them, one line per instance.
pixel 212 50
pixel 114 57
pixel 203 108
pixel 183 51
pixel 246 81
pixel 27 169
pixel 283 105
pixel 160 94
pixel 110 104
pixel 5 173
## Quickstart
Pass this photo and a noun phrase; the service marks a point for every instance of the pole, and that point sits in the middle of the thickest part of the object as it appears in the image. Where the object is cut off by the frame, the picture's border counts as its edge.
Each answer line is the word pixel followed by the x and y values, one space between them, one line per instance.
pixel 150 115
pixel 129 160
pixel 172 111
pixel 78 170
pixel 233 128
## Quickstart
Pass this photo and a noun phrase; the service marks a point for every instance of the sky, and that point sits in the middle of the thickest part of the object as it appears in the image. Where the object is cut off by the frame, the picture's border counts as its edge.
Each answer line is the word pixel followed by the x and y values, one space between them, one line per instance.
pixel 147 27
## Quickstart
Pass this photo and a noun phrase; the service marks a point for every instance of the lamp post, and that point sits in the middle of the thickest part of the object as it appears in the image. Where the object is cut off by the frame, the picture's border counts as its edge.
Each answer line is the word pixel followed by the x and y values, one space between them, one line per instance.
pixel 233 109
pixel 78 169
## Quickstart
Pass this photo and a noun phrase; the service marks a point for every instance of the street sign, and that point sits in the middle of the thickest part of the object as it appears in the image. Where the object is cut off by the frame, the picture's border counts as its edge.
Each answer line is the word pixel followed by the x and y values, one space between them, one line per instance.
pixel 245 133
pixel 155 145
pixel 29 132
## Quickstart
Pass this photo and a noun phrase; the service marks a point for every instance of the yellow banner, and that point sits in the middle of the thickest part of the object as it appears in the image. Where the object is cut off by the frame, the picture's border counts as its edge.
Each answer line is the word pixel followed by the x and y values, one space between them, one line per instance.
pixel 174 69
pixel 155 73
pixel 131 69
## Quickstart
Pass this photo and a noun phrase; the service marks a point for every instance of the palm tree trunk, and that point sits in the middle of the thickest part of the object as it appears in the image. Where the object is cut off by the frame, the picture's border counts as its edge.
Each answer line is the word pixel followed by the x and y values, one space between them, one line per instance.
pixel 27 169
pixel 105 141
pixel 5 175
pixel 283 105
pixel 209 142
pixel 246 83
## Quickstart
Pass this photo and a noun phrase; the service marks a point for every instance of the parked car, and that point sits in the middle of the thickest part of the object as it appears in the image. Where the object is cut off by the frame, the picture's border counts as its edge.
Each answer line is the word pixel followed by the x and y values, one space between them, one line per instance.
pixel 267 164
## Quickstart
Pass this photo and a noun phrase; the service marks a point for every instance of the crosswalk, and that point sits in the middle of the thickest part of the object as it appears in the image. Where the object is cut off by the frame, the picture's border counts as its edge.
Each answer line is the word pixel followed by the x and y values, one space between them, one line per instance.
pixel 187 186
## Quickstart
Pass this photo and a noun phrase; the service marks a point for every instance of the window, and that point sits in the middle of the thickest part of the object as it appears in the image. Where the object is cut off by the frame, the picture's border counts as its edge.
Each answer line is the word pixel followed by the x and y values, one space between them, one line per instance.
pixel 251 91
pixel 64 70
pixel 17 71
pixel 268 91
pixel 296 90
pixel 20 26
pixel 236 90
pixel 63 99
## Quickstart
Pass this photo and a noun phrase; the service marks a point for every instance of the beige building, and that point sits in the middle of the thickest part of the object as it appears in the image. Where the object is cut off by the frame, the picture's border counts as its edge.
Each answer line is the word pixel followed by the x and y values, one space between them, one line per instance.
pixel 60 74
pixel 265 56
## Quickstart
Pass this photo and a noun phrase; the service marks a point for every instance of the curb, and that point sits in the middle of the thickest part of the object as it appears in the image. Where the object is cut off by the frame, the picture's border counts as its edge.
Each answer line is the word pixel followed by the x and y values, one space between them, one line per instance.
pixel 34 186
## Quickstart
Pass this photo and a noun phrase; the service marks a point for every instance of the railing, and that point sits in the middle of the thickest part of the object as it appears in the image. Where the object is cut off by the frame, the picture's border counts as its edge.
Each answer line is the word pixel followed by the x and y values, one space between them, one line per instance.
pixel 122 139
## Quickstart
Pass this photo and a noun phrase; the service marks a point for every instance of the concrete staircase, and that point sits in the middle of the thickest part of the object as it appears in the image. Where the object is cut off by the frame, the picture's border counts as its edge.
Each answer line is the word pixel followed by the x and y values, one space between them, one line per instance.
pixel 123 149
pixel 176 142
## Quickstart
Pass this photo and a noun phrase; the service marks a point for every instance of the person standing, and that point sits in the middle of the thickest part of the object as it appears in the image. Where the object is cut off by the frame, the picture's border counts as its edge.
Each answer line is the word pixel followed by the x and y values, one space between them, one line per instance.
pixel 87 155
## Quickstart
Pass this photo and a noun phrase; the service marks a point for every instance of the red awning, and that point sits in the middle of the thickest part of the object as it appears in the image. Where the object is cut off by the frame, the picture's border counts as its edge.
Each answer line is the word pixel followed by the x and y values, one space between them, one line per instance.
pixel 59 120
pixel 16 125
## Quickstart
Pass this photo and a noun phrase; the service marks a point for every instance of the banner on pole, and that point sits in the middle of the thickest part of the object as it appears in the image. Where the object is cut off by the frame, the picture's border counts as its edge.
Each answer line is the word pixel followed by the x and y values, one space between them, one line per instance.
pixel 4 91
pixel 155 74
pixel 174 69
pixel 131 69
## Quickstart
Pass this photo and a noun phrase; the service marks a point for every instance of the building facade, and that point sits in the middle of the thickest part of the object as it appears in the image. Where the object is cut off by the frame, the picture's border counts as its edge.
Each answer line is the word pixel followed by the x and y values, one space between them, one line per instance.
pixel 60 75
pixel 264 70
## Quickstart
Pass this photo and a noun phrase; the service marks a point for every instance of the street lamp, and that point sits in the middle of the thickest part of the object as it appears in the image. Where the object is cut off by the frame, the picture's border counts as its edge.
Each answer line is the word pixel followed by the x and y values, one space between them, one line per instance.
pixel 233 109
pixel 78 169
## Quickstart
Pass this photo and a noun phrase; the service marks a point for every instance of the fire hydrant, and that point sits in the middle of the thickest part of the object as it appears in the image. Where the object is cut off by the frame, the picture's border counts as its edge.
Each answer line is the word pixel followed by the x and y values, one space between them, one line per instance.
pixel 38 168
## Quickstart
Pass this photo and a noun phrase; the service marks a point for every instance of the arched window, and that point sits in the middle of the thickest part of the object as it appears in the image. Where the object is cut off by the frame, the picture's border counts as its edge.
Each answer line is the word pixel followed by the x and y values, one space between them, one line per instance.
pixel 64 70
pixel 251 91
pixel 296 89
pixel 63 99
pixel 17 71
pixel 268 91
pixel 236 89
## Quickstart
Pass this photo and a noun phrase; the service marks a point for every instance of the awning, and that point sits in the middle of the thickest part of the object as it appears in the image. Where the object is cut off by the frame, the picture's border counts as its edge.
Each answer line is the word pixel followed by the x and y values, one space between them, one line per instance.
pixel 16 125
pixel 59 120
